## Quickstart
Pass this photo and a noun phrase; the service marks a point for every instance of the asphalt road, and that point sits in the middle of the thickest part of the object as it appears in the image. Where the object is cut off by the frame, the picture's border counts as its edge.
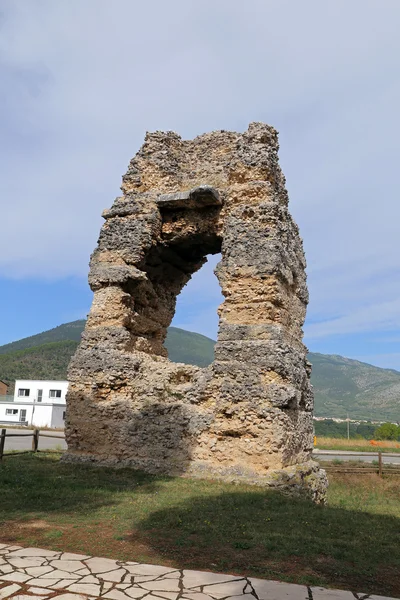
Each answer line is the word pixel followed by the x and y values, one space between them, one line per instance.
pixel 388 458
pixel 24 441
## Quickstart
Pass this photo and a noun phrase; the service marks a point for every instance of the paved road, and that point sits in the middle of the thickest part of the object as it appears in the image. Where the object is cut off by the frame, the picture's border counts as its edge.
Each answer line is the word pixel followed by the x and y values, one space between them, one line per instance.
pixel 388 458
pixel 24 441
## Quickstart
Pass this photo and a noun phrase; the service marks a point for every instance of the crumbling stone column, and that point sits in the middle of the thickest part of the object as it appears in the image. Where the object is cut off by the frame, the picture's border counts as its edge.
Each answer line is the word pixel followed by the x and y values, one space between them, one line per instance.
pixel 247 417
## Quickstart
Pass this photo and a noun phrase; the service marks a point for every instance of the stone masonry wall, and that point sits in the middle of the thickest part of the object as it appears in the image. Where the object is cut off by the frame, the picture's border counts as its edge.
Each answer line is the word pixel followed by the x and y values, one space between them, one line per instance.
pixel 247 417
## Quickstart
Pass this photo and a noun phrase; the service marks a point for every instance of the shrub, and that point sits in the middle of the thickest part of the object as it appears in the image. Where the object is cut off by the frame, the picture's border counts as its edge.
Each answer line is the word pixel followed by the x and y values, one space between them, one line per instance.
pixel 387 431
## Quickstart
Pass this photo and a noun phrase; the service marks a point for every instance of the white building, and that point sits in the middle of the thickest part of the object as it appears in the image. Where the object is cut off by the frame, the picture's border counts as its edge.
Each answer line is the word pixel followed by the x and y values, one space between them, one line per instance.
pixel 37 403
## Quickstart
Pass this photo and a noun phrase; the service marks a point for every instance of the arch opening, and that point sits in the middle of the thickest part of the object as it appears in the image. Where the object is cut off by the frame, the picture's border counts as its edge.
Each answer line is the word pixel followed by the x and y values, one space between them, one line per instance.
pixel 193 332
pixel 188 236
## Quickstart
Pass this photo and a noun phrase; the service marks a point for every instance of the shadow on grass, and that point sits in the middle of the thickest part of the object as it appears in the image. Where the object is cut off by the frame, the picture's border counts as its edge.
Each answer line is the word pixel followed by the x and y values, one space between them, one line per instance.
pixel 265 534
pixel 129 515
pixel 31 484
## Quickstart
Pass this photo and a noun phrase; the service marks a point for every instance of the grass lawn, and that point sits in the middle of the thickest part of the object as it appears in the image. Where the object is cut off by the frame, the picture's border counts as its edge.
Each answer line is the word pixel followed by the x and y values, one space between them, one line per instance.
pixel 353 543
pixel 327 443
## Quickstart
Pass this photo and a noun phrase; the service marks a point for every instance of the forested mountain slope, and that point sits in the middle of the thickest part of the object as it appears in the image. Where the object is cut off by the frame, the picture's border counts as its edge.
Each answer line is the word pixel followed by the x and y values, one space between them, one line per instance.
pixel 341 385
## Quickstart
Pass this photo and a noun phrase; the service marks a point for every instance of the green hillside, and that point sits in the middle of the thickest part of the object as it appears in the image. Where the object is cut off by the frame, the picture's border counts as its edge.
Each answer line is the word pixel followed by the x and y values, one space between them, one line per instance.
pixel 69 331
pixel 46 355
pixel 48 361
pixel 190 348
pixel 341 385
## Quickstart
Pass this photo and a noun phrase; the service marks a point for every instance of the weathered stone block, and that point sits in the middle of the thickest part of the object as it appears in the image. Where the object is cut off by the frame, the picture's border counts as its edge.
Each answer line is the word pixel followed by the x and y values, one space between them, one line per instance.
pixel 198 197
pixel 247 417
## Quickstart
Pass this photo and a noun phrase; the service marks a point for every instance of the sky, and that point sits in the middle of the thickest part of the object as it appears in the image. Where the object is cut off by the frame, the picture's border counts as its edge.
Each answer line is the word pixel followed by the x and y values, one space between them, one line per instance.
pixel 81 83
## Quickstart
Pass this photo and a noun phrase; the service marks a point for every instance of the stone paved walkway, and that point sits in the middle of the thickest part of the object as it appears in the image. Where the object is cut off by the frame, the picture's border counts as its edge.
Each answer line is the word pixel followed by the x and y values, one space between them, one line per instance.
pixel 37 574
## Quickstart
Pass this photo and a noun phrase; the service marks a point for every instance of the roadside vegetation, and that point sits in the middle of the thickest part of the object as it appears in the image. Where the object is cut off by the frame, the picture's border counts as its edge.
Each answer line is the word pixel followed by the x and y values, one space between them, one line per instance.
pixel 353 543
pixel 357 445
pixel 362 437
pixel 333 429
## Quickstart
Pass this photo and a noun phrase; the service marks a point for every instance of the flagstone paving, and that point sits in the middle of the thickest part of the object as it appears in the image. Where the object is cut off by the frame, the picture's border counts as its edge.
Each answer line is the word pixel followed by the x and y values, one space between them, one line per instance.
pixel 37 574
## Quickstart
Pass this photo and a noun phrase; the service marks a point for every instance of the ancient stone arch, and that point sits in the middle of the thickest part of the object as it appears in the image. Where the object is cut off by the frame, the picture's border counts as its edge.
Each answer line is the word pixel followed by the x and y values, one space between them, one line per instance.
pixel 249 415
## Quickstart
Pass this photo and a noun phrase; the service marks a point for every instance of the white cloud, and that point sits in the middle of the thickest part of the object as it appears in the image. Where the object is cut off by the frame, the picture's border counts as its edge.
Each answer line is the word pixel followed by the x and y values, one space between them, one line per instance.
pixel 82 81
pixel 383 316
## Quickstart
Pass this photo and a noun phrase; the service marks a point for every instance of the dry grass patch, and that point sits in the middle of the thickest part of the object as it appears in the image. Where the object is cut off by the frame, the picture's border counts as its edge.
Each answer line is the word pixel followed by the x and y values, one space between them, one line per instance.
pixel 327 443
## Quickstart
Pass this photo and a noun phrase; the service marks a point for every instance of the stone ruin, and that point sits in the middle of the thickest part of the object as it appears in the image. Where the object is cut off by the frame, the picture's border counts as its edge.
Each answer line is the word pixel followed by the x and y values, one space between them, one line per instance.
pixel 248 416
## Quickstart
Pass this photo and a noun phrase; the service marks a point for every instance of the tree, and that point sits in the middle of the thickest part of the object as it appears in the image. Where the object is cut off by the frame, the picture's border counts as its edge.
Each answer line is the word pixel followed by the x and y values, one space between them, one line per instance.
pixel 387 431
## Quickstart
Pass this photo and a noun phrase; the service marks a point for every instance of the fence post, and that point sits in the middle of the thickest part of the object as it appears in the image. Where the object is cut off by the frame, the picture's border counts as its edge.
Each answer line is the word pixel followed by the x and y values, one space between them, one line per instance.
pixel 35 440
pixel 2 442
pixel 380 463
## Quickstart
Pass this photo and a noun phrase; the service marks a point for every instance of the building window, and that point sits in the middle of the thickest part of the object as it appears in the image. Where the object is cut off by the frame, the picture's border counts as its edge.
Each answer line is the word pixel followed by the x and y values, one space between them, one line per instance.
pixel 23 392
pixel 64 415
pixel 55 394
pixel 11 411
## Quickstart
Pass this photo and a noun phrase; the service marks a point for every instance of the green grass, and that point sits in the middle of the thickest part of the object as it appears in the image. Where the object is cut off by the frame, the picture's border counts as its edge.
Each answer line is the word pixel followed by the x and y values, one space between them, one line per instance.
pixel 353 543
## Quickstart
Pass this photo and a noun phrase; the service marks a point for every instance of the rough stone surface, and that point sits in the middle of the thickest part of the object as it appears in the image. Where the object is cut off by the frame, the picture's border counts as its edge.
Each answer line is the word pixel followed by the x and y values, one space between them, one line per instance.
pixel 278 590
pixel 7 591
pixel 247 417
pixel 319 593
pixel 161 582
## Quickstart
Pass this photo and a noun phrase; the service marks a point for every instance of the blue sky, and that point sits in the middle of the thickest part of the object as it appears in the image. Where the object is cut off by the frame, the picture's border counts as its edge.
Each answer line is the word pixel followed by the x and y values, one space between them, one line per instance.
pixel 81 82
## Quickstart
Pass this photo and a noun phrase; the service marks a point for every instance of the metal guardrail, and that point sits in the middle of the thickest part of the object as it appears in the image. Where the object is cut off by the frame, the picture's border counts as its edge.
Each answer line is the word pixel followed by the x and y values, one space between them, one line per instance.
pixel 361 470
pixel 381 468
pixel 351 453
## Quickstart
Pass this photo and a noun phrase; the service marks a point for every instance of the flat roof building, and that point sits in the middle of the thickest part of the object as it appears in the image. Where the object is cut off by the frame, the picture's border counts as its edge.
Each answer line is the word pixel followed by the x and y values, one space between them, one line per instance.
pixel 35 402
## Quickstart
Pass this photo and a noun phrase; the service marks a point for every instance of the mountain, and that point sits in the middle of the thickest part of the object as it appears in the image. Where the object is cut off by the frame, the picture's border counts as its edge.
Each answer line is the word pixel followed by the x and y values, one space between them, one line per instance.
pixel 69 331
pixel 48 361
pixel 46 355
pixel 341 385
pixel 188 347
